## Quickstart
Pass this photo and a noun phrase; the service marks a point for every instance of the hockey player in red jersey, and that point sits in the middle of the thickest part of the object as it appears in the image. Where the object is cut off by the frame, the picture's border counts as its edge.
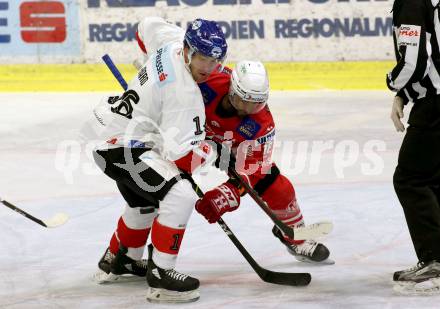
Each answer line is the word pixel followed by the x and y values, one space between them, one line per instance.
pixel 237 114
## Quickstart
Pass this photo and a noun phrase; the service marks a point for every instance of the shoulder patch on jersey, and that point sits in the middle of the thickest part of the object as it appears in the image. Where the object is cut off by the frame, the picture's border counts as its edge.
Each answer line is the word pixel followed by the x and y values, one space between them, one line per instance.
pixel 248 128
pixel 208 93
pixel 409 35
pixel 162 66
pixel 266 138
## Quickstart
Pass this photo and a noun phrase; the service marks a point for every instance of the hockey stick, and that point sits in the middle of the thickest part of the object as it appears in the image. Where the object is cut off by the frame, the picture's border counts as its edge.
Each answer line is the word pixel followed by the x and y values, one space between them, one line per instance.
pixel 57 220
pixel 109 62
pixel 315 230
pixel 292 279
pixel 312 231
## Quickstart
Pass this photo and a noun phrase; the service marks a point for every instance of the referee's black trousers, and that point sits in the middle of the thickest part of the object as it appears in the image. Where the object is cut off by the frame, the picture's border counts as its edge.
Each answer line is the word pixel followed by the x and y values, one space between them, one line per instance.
pixel 417 185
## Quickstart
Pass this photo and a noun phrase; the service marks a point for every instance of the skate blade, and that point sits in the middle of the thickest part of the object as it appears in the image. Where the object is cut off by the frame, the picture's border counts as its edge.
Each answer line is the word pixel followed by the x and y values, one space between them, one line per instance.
pixel 426 288
pixel 155 295
pixel 310 261
pixel 102 277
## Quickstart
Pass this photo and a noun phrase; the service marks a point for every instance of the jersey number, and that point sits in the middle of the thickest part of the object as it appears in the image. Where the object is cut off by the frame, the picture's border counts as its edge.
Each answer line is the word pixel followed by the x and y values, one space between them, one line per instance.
pixel 125 107
pixel 175 245
pixel 198 128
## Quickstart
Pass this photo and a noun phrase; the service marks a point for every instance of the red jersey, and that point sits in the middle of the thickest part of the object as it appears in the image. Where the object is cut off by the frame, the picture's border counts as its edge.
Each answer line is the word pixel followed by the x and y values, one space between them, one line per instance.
pixel 251 137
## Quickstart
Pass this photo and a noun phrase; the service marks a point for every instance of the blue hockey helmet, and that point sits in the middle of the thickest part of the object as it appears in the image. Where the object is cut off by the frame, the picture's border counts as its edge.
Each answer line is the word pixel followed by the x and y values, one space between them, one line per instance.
pixel 206 37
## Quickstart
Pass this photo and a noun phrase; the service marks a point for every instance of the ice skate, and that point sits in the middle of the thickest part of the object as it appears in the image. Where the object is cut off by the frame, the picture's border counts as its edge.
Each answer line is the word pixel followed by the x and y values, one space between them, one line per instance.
pixel 170 286
pixel 114 267
pixel 310 251
pixel 422 279
pixel 407 272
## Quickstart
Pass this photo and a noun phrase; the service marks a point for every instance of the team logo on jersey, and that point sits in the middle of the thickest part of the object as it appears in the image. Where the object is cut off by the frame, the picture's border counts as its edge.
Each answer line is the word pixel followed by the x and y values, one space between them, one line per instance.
pixel 208 93
pixel 215 123
pixel 159 65
pixel 248 128
pixel 163 66
pixel 162 76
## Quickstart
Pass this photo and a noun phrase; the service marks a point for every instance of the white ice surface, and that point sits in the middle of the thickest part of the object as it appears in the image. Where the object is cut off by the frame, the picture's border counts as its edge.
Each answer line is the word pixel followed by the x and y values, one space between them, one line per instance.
pixel 52 268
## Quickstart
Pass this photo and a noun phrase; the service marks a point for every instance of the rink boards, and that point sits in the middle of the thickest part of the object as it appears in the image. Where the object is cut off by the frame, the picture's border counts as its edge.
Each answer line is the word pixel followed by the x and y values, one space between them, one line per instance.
pixel 306 44
pixel 71 31
pixel 367 75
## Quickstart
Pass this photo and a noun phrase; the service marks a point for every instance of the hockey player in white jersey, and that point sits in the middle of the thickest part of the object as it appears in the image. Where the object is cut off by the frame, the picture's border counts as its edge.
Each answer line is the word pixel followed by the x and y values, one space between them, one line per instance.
pixel 153 137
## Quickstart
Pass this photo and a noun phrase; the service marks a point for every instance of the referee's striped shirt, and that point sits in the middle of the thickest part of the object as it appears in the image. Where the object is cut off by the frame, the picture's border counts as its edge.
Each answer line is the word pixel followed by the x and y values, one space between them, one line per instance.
pixel 416 33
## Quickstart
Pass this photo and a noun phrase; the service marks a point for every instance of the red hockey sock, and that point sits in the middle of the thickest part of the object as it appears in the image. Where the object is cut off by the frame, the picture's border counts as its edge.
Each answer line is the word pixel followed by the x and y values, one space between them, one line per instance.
pixel 166 239
pixel 129 238
pixel 280 196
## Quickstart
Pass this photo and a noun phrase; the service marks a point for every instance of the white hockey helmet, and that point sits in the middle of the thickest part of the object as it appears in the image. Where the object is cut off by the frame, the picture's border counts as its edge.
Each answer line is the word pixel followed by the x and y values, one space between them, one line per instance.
pixel 250 83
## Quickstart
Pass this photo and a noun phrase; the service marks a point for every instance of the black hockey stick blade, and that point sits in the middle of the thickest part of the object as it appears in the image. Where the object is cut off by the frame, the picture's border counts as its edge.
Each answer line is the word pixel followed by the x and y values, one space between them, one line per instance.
pixel 292 279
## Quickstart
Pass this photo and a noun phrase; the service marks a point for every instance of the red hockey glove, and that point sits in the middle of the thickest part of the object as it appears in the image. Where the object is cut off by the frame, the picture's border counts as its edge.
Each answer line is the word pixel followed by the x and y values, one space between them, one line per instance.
pixel 219 200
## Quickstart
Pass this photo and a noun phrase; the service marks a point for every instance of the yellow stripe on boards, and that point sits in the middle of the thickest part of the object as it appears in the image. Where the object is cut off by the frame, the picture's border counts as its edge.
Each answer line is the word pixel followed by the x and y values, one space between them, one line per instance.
pixel 283 76
pixel 329 75
pixel 60 77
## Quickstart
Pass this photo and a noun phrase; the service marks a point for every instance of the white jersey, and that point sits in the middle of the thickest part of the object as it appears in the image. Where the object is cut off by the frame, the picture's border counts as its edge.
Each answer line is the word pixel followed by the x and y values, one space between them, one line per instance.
pixel 162 109
pixel 155 32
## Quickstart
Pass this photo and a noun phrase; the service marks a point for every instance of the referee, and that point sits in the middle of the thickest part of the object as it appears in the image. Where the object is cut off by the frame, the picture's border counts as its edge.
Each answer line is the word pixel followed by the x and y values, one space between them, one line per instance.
pixel 416 78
